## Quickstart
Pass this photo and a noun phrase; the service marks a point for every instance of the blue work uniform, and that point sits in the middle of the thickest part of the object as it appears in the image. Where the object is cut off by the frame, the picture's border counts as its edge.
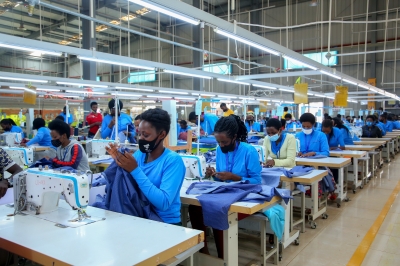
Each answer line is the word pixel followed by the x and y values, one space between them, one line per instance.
pixel 124 123
pixel 42 138
pixel 317 126
pixel 315 142
pixel 289 126
pixel 16 129
pixel 70 118
pixel 181 130
pixel 335 138
pixel 348 140
pixel 382 127
pixel 255 127
pixel 396 125
pixel 388 126
pixel 209 122
pixel 243 161
pixel 161 181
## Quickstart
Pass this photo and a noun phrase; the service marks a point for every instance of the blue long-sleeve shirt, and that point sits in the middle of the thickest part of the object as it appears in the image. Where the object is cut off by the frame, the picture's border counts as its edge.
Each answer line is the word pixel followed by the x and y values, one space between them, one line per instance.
pixel 348 140
pixel 209 122
pixel 388 126
pixel 315 142
pixel 244 164
pixel 181 130
pixel 335 138
pixel 161 181
pixel 42 138
pixel 16 129
pixel 123 121
pixel 70 118
pixel 382 127
pixel 255 127
pixel 396 125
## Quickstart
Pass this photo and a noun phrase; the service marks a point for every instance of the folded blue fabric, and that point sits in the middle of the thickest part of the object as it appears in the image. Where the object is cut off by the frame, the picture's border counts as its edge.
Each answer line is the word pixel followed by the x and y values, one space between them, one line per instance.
pixel 110 160
pixel 271 176
pixel 276 217
pixel 299 170
pixel 42 162
pixel 211 156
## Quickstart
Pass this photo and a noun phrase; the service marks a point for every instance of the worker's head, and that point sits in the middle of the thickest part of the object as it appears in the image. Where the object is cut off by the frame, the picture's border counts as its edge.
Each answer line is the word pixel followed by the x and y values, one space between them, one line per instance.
pixel 370 121
pixel 274 129
pixel 228 130
pixel 390 117
pixel 250 118
pixel 183 124
pixel 65 110
pixel 383 118
pixel 6 124
pixel 285 109
pixel 307 121
pixel 60 133
pixel 288 118
pixel 137 121
pixel 38 123
pixel 60 117
pixel 339 116
pixel 327 126
pixel 381 109
pixel 193 117
pixel 153 129
pixel 348 118
pixel 111 106
pixel 94 106
pixel 223 107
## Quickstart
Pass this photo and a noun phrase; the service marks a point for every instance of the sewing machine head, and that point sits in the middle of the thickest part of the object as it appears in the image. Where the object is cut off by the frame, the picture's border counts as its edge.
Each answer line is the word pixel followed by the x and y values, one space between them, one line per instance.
pixel 261 152
pixel 21 156
pixel 195 166
pixel 38 190
pixel 97 147
pixel 10 139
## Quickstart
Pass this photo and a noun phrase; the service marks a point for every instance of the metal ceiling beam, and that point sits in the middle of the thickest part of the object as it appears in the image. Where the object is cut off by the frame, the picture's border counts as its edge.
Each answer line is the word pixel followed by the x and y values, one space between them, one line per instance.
pixel 367 97
pixel 280 75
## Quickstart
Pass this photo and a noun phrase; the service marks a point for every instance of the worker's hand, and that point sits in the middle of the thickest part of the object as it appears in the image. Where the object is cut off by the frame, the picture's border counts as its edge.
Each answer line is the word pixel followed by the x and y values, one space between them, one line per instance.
pixel 112 123
pixel 112 150
pixel 98 123
pixel 210 171
pixel 126 161
pixel 22 144
pixel 308 154
pixel 224 176
pixel 269 163
pixel 3 187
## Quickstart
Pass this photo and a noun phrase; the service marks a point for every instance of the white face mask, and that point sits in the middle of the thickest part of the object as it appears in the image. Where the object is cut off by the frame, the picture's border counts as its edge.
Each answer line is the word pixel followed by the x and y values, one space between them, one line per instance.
pixel 307 131
pixel 289 122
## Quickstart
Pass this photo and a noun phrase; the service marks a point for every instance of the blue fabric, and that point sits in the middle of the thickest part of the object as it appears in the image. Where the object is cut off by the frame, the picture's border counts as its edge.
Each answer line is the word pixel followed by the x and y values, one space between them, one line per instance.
pixel 327 184
pixel 348 140
pixel 382 128
pixel 316 157
pixel 209 122
pixel 254 127
pixel 271 176
pixel 253 140
pixel 208 140
pixel 125 196
pixel 315 142
pixel 276 217
pixel 70 118
pixel 16 129
pixel 318 126
pixel 396 125
pixel 42 138
pixel 388 126
pixel 99 181
pixel 110 160
pixel 181 130
pixel 276 148
pixel 246 163
pixel 161 181
pixel 42 162
pixel 124 122
pixel 336 138
pixel 211 156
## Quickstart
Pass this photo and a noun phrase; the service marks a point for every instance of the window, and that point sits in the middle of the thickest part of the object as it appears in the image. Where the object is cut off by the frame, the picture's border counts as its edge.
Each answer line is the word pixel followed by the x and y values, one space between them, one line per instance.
pixel 142 76
pixel 318 57
pixel 220 68
pixel 316 108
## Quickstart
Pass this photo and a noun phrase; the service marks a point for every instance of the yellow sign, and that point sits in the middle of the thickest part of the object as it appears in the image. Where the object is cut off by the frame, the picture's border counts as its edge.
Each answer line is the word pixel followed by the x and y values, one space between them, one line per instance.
pixel 371 104
pixel 263 107
pixel 30 95
pixel 205 104
pixel 341 95
pixel 300 93
pixel 391 102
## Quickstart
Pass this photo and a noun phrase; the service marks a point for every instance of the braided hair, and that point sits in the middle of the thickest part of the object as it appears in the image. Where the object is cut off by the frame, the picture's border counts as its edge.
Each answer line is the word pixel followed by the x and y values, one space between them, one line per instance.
pixel 339 124
pixel 232 125
pixel 328 123
pixel 158 118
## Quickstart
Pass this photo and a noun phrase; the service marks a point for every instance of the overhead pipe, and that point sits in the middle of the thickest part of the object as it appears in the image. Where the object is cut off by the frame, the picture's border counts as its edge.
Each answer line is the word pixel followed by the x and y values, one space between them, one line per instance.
pixel 366 35
pixel 384 46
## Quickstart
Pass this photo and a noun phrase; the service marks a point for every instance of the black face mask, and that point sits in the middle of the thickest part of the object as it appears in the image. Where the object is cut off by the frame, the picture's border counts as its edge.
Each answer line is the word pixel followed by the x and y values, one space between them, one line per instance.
pixel 381 120
pixel 148 146
pixel 56 143
pixel 228 148
pixel 250 122
pixel 7 129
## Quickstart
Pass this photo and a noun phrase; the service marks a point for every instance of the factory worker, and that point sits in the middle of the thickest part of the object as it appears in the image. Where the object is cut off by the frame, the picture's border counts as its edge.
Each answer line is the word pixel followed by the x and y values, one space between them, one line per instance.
pixel 387 124
pixel 68 152
pixel 394 119
pixel 42 138
pixel 290 122
pixel 371 130
pixel 227 111
pixel 333 134
pixel 281 147
pixel 64 115
pixel 251 125
pixel 158 171
pixel 207 121
pixel 312 142
pixel 9 126
pixel 6 164
pixel 93 120
pixel 235 161
pixel 380 125
pixel 125 126
pixel 347 138
pixel 285 111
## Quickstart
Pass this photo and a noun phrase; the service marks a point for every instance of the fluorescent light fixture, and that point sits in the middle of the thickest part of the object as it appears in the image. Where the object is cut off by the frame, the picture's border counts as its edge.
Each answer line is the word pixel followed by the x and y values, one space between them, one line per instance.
pixel 286 90
pixel 312 94
pixel 40 89
pixel 80 84
pixel 167 11
pixel 352 101
pixel 330 74
pixel 245 41
pixel 159 97
pixel 28 80
pixel 299 62
pixel 36 53
pixel 349 81
pixel 85 92
pixel 333 98
pixel 18 88
pixel 320 95
pixel 234 81
pixel 288 102
pixel 186 74
pixel 174 92
pixel 134 89
pixel 184 105
pixel 26 49
pixel 206 94
pixel 264 87
pixel 363 86
pixel 275 101
pixel 94 59
pixel 127 94
pixel 185 98
pixel 249 99
pixel 227 97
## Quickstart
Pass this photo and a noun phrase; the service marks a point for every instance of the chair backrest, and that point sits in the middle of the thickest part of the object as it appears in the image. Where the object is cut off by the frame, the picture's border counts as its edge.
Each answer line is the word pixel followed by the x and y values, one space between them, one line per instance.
pixel 187 147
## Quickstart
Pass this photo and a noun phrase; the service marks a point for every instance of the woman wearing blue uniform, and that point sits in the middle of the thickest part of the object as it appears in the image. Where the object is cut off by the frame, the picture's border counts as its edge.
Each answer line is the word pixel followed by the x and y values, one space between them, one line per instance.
pixel 348 139
pixel 312 142
pixel 9 126
pixel 335 138
pixel 236 160
pixel 158 171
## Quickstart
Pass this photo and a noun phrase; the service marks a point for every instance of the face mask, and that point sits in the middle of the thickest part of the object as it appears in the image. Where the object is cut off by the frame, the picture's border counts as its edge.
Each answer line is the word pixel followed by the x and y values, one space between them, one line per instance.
pixel 274 137
pixel 148 146
pixel 369 124
pixel 228 148
pixel 288 121
pixel 249 122
pixel 380 120
pixel 7 129
pixel 307 131
pixel 56 143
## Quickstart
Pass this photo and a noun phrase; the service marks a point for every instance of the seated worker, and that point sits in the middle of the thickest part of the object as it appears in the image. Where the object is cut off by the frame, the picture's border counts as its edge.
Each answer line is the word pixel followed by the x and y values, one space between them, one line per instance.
pixel 250 124
pixel 158 171
pixel 227 111
pixel 285 111
pixel 290 122
pixel 312 142
pixel 348 139
pixel 9 126
pixel 235 160
pixel 136 123
pixel 59 117
pixel 6 164
pixel 348 119
pixel 387 124
pixel 380 125
pixel 335 138
pixel 279 145
pixel 207 122
pixel 93 120
pixel 125 126
pixel 392 118
pixel 69 152
pixel 371 130
pixel 183 127
pixel 64 115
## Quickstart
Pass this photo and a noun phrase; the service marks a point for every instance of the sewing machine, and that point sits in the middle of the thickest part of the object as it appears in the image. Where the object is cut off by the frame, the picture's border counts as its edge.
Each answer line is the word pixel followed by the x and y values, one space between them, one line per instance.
pixel 21 156
pixel 97 147
pixel 261 152
pixel 38 190
pixel 10 139
pixel 195 166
